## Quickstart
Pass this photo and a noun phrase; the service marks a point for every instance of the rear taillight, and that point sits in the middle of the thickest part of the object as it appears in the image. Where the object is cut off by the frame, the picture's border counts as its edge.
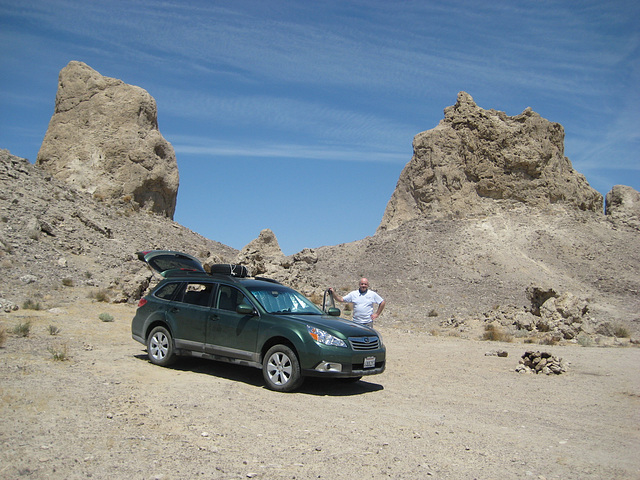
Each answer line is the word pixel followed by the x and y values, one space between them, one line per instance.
pixel 142 302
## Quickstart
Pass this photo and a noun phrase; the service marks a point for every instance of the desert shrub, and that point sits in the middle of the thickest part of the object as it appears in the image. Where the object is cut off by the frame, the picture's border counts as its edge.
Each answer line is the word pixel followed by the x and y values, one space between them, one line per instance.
pixel 59 353
pixel 494 334
pixel 549 340
pixel 31 305
pixel 106 317
pixel 316 298
pixel 433 313
pixel 54 330
pixel 621 331
pixel 67 282
pixel 22 329
pixel 3 335
pixel 101 295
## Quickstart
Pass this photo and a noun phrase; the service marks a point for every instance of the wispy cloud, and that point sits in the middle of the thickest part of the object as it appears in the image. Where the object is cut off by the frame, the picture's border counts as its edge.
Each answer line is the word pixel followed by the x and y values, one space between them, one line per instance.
pixel 184 145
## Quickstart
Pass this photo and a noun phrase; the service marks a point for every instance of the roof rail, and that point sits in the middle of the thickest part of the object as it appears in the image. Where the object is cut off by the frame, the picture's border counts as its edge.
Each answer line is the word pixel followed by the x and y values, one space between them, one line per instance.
pixel 265 279
pixel 184 272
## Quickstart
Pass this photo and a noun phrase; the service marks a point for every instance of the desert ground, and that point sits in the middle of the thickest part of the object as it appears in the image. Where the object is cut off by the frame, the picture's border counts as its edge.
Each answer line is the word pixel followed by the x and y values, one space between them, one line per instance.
pixel 445 408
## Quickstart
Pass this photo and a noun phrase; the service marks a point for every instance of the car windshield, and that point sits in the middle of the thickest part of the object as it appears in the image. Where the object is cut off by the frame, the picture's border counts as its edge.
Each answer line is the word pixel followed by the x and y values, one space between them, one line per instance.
pixel 282 300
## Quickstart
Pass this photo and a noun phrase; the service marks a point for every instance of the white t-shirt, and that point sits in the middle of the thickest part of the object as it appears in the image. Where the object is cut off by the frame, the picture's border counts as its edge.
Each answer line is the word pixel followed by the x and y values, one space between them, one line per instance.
pixel 363 304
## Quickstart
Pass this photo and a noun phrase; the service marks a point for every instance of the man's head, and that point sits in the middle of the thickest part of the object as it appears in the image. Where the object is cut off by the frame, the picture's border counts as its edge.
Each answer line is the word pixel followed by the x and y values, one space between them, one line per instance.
pixel 364 285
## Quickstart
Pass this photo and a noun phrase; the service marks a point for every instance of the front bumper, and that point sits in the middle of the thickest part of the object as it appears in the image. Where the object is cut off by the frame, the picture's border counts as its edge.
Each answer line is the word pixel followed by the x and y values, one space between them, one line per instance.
pixel 330 370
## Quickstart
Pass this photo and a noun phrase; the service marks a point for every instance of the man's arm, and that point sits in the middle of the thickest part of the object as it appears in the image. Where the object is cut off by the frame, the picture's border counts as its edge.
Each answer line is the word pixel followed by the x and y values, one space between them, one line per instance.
pixel 380 309
pixel 335 295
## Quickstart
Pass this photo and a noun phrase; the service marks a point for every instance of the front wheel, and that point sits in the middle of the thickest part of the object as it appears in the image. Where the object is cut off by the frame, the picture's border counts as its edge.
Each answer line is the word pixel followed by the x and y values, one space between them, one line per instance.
pixel 160 347
pixel 281 369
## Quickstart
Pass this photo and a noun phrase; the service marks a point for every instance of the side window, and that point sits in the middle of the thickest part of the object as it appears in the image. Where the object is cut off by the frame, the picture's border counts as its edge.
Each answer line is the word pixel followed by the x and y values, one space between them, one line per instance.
pixel 198 294
pixel 229 298
pixel 168 291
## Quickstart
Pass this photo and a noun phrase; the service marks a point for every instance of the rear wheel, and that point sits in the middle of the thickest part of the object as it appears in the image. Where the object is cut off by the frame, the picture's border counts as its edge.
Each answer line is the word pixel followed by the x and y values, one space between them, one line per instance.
pixel 281 369
pixel 160 347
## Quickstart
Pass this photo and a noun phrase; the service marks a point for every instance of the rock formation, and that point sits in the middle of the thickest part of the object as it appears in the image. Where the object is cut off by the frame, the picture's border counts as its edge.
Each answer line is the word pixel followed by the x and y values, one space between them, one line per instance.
pixel 476 160
pixel 262 255
pixel 622 206
pixel 103 139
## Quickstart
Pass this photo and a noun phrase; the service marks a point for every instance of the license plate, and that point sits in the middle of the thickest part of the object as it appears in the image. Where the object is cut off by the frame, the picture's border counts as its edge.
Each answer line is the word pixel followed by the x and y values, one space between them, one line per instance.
pixel 369 362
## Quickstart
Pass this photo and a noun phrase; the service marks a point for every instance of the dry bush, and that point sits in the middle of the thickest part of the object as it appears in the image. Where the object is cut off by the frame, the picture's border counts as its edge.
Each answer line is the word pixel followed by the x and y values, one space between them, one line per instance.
pixel 3 335
pixel 54 330
pixel 106 317
pixel 31 305
pixel 549 340
pixel 67 282
pixel 316 298
pixel 621 332
pixel 22 329
pixel 494 334
pixel 59 353
pixel 100 295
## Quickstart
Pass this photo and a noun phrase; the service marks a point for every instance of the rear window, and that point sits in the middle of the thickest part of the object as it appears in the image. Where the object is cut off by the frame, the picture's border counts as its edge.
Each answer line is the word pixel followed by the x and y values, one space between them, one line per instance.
pixel 198 294
pixel 167 291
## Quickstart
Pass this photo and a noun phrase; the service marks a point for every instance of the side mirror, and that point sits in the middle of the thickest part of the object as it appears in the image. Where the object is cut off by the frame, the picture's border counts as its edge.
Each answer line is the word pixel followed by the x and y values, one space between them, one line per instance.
pixel 244 309
pixel 334 312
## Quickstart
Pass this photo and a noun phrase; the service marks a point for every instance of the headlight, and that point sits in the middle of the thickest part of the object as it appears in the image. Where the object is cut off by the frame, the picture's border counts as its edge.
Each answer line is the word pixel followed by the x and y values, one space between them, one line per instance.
pixel 325 338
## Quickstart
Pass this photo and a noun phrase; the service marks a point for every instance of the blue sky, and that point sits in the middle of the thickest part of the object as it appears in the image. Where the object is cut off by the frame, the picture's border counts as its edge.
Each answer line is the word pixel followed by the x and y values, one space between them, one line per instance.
pixel 299 115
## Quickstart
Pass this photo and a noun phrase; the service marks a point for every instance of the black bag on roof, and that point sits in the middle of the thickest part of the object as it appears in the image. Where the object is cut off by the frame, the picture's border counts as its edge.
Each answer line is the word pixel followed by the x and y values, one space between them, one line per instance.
pixel 230 269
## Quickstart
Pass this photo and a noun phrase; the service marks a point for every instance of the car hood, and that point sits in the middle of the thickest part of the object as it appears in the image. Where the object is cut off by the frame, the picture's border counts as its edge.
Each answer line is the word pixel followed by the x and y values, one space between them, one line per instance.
pixel 335 324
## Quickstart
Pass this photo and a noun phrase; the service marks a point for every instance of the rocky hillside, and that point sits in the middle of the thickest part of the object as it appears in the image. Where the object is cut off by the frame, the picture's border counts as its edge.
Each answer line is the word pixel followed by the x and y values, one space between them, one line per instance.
pixel 54 239
pixel 489 224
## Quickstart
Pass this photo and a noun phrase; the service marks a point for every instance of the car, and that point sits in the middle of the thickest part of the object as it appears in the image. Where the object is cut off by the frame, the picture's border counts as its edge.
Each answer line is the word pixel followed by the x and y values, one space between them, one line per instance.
pixel 226 315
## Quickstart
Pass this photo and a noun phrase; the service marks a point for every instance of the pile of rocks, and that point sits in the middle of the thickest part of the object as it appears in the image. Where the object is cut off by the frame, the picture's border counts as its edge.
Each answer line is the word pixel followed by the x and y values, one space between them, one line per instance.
pixel 541 362
pixel 6 306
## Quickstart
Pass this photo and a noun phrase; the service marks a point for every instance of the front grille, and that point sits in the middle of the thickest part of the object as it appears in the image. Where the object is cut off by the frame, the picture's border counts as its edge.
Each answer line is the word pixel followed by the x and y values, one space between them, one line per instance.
pixel 364 343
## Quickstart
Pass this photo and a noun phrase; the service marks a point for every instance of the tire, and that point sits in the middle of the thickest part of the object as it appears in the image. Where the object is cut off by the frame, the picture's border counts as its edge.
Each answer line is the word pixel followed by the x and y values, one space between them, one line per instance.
pixel 160 349
pixel 281 369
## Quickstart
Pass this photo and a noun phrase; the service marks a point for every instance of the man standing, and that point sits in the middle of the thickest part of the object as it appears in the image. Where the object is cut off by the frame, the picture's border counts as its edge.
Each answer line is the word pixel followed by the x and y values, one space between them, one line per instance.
pixel 363 300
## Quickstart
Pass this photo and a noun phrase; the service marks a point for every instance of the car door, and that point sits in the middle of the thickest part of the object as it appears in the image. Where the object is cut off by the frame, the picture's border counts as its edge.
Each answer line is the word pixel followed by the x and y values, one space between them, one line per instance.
pixel 190 313
pixel 229 333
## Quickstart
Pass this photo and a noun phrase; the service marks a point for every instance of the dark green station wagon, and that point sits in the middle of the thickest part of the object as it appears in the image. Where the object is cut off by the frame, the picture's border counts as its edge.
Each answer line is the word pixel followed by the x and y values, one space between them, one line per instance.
pixel 227 316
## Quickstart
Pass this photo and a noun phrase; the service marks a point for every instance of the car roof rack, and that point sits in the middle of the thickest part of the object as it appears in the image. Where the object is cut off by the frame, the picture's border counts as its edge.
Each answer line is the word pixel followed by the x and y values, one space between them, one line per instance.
pixel 184 272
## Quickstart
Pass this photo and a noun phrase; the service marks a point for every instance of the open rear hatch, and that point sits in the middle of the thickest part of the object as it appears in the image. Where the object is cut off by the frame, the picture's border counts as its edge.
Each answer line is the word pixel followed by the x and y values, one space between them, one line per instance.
pixel 166 261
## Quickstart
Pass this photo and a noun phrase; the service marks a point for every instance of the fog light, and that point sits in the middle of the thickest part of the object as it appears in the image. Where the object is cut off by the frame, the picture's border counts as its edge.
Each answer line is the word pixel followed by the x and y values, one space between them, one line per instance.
pixel 329 367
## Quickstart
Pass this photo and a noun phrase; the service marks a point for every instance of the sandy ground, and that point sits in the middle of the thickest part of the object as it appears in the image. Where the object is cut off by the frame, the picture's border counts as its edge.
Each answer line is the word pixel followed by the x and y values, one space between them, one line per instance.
pixel 443 409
